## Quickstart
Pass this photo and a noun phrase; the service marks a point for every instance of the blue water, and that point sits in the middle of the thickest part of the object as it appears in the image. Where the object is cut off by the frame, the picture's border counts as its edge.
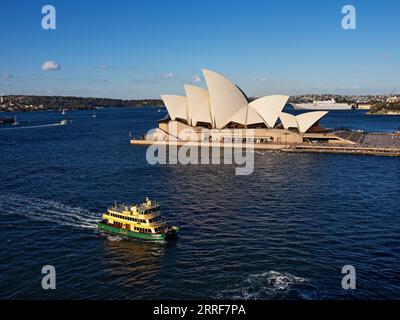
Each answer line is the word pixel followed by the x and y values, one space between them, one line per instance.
pixel 283 232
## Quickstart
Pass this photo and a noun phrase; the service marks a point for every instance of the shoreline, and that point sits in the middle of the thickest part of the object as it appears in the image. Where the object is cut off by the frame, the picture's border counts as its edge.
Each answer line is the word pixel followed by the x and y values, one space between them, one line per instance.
pixel 354 149
pixel 385 113
pixel 75 109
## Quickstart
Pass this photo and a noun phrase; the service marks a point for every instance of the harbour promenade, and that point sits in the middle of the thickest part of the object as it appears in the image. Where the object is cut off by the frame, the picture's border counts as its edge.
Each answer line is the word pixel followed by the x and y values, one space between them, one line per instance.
pixel 384 144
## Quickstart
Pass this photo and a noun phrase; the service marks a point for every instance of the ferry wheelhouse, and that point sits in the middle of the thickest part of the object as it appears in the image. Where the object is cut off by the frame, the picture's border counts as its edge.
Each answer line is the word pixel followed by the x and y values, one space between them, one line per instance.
pixel 142 221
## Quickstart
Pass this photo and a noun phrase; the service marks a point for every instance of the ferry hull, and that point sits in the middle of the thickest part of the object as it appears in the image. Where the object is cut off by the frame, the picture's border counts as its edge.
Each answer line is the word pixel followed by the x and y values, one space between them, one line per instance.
pixel 131 234
pixel 322 106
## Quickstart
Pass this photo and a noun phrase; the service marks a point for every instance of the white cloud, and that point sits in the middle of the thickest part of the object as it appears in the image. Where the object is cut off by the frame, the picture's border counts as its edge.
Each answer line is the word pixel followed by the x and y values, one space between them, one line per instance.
pixel 259 79
pixel 385 56
pixel 169 75
pixel 50 65
pixel 6 75
pixel 104 66
pixel 196 78
pixel 349 87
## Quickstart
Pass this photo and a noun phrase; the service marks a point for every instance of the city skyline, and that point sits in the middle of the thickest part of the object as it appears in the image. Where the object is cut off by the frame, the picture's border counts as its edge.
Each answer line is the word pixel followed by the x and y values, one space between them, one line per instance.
pixel 135 50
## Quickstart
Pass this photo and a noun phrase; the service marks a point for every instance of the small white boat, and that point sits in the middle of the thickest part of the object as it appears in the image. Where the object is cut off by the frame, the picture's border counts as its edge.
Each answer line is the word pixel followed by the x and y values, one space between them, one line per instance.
pixel 94 114
pixel 63 122
pixel 15 123
pixel 63 111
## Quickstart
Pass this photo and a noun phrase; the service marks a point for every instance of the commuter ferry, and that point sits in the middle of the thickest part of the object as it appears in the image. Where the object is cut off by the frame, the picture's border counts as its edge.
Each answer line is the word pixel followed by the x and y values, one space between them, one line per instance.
pixel 137 221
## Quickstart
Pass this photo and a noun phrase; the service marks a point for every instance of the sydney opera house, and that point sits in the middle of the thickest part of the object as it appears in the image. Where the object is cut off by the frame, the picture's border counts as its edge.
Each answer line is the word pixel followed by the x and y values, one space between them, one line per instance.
pixel 218 113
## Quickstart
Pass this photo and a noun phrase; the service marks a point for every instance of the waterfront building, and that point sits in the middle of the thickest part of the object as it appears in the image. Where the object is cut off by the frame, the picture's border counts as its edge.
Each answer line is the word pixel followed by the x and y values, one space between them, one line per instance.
pixel 364 106
pixel 221 111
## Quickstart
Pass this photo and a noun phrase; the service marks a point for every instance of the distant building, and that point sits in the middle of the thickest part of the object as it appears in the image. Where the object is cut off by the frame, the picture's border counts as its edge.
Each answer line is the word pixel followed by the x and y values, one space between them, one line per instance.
pixel 364 106
pixel 392 99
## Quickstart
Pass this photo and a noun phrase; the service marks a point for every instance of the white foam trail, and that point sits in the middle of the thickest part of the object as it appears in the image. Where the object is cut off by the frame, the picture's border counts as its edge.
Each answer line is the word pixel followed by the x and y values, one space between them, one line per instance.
pixel 38 126
pixel 113 238
pixel 262 285
pixel 47 210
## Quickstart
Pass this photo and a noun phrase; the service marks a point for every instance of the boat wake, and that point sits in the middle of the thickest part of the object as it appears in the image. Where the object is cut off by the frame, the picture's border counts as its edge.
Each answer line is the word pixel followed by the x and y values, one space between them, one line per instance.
pixel 38 126
pixel 47 210
pixel 113 238
pixel 262 286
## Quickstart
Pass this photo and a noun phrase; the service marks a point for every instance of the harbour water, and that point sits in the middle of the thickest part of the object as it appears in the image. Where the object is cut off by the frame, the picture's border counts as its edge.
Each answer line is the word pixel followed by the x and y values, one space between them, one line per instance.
pixel 283 232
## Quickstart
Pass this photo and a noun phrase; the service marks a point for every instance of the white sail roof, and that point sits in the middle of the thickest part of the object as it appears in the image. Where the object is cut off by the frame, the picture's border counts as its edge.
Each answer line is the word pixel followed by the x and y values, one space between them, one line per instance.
pixel 176 106
pixel 306 120
pixel 240 116
pixel 224 102
pixel 253 116
pixel 246 116
pixel 269 108
pixel 288 120
pixel 303 121
pixel 226 99
pixel 198 104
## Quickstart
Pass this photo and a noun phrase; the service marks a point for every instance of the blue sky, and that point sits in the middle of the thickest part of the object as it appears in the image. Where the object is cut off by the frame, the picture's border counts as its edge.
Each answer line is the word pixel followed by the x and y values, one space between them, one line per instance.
pixel 141 49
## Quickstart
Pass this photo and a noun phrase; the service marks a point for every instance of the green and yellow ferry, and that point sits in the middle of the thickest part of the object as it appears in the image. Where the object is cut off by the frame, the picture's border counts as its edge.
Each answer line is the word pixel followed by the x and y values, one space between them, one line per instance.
pixel 137 221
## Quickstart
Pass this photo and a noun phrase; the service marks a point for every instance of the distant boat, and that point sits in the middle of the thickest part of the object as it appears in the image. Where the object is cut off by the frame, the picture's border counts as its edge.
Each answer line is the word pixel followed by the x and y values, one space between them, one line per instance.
pixel 94 114
pixel 322 105
pixel 63 111
pixel 63 122
pixel 6 120
pixel 15 121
